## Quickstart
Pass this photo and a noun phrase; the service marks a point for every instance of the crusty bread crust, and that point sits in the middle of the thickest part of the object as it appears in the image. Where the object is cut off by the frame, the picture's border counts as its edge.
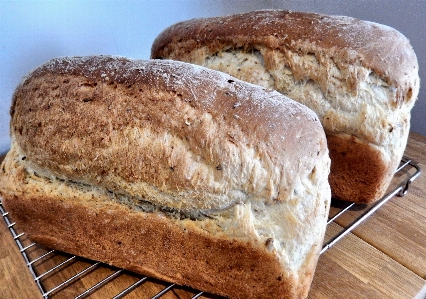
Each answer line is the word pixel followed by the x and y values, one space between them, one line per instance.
pixel 238 207
pixel 356 181
pixel 350 41
pixel 361 78
pixel 112 122
pixel 157 247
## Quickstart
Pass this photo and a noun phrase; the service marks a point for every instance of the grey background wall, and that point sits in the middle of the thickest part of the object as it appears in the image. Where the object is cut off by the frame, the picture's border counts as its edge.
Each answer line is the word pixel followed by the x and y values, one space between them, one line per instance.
pixel 32 32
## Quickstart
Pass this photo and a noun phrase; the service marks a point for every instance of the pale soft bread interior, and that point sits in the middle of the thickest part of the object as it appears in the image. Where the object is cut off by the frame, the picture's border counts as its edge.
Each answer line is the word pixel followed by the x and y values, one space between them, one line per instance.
pixel 363 110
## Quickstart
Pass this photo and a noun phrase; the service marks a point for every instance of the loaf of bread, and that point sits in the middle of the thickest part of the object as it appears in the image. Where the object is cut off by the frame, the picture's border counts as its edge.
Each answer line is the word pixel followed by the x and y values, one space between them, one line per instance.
pixel 171 170
pixel 361 78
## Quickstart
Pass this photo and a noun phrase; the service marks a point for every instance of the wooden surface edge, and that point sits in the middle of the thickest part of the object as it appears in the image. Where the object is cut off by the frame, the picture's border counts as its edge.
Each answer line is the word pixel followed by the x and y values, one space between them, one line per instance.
pixel 361 271
pixel 399 227
pixel 16 280
pixel 421 294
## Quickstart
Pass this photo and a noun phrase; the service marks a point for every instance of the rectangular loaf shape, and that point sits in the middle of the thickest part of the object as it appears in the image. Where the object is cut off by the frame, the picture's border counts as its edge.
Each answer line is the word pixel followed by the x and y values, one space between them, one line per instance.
pixel 170 170
pixel 360 77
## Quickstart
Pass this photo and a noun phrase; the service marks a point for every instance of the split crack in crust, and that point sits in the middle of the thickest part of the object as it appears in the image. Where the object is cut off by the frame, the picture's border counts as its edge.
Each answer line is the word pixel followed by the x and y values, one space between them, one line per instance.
pixel 303 80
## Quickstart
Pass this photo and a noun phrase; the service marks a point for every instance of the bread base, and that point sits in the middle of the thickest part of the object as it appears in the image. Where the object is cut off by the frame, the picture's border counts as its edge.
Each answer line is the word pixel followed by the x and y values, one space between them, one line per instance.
pixel 358 171
pixel 84 222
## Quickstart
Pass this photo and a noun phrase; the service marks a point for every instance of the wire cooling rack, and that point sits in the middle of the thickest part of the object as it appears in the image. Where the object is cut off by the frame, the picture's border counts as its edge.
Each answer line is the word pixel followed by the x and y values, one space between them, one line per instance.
pixel 48 266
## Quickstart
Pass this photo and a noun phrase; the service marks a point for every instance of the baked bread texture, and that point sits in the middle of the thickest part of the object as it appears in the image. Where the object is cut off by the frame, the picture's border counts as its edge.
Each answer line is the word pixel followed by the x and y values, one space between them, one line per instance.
pixel 171 170
pixel 361 78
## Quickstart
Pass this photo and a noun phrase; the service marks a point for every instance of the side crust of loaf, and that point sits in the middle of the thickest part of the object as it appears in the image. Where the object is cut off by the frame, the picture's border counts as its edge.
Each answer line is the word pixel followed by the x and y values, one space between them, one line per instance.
pixel 359 172
pixel 361 78
pixel 85 221
pixel 171 170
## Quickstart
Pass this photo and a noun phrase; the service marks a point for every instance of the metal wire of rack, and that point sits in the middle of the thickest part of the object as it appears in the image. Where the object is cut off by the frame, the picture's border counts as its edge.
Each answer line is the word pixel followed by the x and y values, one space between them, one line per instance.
pixel 402 185
pixel 35 254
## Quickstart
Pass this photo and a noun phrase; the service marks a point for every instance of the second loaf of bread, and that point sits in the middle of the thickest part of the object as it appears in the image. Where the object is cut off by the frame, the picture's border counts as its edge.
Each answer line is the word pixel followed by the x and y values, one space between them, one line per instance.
pixel 361 78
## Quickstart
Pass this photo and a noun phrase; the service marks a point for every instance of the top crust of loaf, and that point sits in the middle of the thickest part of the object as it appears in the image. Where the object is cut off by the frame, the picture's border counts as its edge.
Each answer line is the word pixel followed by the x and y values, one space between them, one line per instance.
pixel 172 133
pixel 347 40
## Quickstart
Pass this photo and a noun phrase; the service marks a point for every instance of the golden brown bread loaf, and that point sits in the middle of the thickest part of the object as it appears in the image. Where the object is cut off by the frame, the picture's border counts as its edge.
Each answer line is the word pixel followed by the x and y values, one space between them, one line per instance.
pixel 361 78
pixel 171 170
